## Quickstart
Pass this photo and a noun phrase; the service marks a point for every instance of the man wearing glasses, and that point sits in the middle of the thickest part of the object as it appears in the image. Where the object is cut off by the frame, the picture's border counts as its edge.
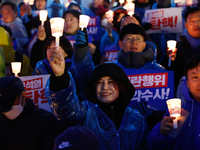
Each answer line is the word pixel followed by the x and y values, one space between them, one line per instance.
pixel 136 52
pixel 189 44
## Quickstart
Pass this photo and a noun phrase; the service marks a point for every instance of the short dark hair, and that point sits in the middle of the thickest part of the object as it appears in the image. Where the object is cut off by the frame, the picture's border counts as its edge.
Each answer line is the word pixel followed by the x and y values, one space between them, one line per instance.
pixel 64 43
pixel 75 13
pixel 13 6
pixel 192 63
pixel 134 15
pixel 190 10
pixel 131 28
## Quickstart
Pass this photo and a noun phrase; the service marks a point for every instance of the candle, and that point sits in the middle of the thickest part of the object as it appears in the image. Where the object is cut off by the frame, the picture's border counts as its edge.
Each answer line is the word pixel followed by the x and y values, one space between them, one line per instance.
pixel 83 21
pixel 67 4
pixel 174 107
pixel 121 2
pixel 43 16
pixel 26 1
pixel 16 68
pixel 171 44
pixel 57 25
pixel 129 1
pixel 130 7
pixel 189 2
pixel 30 2
pixel 109 15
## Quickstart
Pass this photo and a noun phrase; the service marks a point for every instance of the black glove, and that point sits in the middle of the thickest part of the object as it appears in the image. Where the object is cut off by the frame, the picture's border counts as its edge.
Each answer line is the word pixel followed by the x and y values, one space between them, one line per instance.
pixel 141 106
pixel 81 38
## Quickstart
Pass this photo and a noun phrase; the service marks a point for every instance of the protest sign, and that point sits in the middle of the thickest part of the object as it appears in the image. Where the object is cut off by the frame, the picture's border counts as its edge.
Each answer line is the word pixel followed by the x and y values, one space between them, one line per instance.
pixel 34 87
pixel 167 20
pixel 152 86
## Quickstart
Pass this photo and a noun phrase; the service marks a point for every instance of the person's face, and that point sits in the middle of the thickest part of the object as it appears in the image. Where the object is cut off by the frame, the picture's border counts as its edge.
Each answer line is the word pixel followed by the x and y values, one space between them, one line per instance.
pixel 193 82
pixel 96 3
pixel 127 20
pixel 192 24
pixel 23 99
pixel 40 4
pixel 107 90
pixel 22 10
pixel 71 25
pixel 132 42
pixel 8 14
pixel 61 50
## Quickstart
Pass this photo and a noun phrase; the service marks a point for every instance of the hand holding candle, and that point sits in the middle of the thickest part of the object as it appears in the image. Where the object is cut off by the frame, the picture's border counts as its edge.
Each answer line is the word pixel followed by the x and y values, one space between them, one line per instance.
pixel 171 44
pixel 43 16
pixel 57 25
pixel 121 2
pixel 174 107
pixel 16 68
pixel 83 21
pixel 30 2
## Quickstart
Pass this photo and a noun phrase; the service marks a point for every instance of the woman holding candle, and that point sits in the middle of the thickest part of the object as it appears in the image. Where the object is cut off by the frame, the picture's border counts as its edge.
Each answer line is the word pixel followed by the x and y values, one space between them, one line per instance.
pixel 106 113
pixel 65 49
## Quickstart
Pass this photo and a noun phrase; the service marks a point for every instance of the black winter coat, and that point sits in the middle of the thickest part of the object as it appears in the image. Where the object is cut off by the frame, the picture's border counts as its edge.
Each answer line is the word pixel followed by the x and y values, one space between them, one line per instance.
pixel 183 54
pixel 33 129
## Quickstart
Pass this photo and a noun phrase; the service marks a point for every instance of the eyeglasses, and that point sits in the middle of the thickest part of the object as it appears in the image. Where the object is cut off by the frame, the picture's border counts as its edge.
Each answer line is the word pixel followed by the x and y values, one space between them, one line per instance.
pixel 136 39
pixel 194 22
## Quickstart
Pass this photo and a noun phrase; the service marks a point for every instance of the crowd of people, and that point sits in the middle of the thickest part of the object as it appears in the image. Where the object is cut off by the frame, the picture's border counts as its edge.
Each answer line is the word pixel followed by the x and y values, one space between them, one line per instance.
pixel 89 94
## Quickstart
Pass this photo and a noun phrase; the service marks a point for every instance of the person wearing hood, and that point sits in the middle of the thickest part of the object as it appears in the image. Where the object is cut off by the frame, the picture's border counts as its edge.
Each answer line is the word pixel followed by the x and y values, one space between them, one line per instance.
pixel 105 111
pixel 22 124
pixel 135 52
pixel 190 96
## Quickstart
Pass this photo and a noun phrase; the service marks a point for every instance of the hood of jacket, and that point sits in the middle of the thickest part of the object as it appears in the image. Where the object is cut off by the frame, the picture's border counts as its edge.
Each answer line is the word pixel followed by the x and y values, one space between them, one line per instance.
pixel 112 70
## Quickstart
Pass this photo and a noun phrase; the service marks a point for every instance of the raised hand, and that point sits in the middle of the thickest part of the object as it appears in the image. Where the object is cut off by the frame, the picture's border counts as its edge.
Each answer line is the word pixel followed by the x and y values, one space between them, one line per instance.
pixel 81 38
pixel 56 61
pixel 41 34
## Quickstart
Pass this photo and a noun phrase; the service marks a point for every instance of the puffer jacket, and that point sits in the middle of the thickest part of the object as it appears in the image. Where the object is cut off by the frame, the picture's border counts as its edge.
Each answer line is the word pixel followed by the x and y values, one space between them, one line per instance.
pixel 148 64
pixel 190 129
pixel 33 129
pixel 70 111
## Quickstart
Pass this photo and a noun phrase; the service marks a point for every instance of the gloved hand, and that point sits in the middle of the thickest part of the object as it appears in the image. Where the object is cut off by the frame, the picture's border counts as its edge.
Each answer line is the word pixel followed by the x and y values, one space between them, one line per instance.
pixel 141 106
pixel 81 38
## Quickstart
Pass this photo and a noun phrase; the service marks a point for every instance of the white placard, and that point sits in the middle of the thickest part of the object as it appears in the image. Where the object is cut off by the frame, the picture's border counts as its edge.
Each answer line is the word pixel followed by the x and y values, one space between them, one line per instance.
pixel 34 88
pixel 167 20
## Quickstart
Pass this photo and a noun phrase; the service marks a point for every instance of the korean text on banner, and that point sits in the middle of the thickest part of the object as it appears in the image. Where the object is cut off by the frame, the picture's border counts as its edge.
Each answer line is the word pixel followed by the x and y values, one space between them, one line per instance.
pixel 152 86
pixel 35 86
pixel 167 20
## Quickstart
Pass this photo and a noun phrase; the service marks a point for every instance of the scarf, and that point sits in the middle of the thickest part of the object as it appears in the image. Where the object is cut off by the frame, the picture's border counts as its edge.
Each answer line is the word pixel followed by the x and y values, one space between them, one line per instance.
pixel 194 42
pixel 135 59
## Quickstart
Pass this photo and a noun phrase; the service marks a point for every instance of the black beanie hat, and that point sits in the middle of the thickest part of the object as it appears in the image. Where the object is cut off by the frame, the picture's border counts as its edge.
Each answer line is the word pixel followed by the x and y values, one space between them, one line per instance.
pixel 131 28
pixel 112 70
pixel 10 87
pixel 74 12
